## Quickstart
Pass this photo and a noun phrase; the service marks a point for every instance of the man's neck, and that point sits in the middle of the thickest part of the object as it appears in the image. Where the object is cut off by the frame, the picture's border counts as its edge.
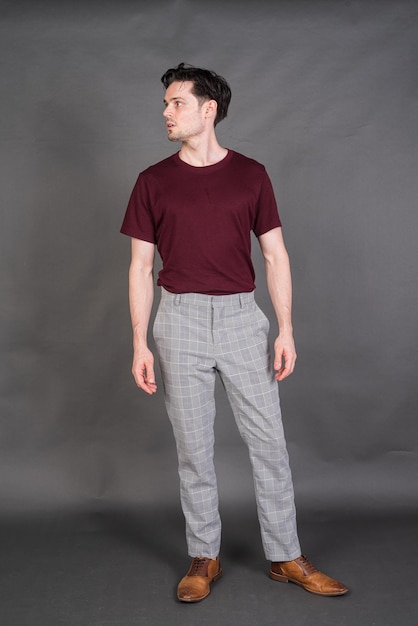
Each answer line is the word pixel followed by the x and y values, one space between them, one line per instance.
pixel 202 153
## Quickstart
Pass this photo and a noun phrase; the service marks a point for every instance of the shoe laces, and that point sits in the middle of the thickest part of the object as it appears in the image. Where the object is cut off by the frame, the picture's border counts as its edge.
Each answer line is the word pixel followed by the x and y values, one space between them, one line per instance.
pixel 199 566
pixel 307 565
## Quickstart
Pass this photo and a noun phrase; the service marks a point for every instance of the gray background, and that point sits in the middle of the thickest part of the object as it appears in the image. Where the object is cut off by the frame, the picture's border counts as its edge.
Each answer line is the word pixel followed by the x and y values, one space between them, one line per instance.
pixel 325 95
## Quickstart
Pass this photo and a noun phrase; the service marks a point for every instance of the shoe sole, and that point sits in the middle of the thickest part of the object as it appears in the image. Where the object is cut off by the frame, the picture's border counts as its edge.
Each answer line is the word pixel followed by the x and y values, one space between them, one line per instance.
pixel 285 579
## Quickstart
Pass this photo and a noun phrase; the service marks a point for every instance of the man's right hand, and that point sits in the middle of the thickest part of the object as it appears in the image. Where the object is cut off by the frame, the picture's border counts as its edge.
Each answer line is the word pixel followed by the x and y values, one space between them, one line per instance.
pixel 143 371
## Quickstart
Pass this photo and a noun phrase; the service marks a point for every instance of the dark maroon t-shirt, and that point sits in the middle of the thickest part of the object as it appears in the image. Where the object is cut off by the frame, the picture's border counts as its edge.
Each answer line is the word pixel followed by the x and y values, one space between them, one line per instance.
pixel 201 220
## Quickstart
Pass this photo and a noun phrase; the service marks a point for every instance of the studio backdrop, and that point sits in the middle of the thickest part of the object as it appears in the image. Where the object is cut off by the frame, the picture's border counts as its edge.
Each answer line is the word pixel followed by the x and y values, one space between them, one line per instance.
pixel 324 94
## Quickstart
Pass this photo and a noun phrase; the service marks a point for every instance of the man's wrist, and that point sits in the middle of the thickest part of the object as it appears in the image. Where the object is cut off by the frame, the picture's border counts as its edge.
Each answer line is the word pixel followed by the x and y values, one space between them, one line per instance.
pixel 140 343
pixel 285 330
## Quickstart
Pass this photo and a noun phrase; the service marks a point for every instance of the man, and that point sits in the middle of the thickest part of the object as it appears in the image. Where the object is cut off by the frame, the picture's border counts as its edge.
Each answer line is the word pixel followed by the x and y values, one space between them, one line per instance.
pixel 199 207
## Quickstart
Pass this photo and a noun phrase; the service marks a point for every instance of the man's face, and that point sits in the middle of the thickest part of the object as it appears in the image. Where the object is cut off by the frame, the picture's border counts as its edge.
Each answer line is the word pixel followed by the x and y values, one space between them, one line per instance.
pixel 184 114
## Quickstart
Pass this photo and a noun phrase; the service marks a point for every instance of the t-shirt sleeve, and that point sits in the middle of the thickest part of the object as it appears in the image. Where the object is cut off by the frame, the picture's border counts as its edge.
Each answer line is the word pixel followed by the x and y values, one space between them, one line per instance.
pixel 138 221
pixel 267 215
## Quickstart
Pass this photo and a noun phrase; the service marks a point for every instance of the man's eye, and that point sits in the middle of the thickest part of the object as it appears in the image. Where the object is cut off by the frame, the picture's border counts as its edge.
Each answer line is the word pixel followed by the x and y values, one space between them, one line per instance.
pixel 179 104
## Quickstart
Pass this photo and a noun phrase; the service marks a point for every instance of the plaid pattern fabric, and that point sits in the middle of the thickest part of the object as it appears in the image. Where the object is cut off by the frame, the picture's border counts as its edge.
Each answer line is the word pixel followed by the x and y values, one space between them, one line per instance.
pixel 198 336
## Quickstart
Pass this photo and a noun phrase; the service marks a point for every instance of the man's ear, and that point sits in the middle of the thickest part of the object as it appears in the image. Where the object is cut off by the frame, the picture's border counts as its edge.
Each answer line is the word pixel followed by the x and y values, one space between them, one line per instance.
pixel 211 108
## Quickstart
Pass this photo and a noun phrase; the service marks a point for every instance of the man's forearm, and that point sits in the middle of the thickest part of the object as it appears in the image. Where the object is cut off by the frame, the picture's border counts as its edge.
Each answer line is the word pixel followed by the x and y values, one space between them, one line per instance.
pixel 280 289
pixel 279 283
pixel 141 297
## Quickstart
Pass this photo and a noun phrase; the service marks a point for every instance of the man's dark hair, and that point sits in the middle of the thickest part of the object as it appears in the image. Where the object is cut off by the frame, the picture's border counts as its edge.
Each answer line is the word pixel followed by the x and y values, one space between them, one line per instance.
pixel 206 86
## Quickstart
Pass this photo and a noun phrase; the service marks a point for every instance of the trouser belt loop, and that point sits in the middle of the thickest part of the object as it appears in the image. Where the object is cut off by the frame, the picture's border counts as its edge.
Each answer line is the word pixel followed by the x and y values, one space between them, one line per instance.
pixel 177 299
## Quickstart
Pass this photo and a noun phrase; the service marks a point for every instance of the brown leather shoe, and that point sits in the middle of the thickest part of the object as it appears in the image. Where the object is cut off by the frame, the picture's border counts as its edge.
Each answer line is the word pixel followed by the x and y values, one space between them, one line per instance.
pixel 195 586
pixel 303 573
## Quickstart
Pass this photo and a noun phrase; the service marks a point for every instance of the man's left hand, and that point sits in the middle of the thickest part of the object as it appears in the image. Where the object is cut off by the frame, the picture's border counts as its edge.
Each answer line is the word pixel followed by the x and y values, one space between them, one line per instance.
pixel 284 356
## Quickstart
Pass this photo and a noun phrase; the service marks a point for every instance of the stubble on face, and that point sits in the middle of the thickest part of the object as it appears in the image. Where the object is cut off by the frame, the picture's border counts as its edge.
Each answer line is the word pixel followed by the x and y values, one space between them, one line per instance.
pixel 183 112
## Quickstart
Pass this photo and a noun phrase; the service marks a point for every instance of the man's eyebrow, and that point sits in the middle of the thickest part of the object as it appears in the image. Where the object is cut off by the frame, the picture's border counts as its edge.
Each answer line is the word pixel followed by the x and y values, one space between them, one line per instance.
pixel 174 98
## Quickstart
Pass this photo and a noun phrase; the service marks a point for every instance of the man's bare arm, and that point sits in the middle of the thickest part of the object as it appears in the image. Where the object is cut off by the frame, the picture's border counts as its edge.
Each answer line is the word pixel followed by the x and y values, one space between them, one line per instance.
pixel 141 296
pixel 279 284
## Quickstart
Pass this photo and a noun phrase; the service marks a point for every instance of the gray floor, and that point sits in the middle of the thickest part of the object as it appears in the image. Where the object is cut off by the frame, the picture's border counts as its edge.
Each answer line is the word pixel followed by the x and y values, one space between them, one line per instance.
pixel 121 569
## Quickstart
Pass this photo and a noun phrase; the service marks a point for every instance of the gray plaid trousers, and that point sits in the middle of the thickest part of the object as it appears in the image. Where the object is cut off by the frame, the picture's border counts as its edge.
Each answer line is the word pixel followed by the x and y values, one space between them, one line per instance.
pixel 196 337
